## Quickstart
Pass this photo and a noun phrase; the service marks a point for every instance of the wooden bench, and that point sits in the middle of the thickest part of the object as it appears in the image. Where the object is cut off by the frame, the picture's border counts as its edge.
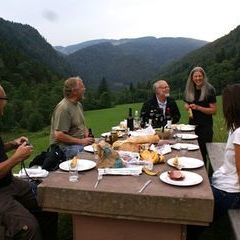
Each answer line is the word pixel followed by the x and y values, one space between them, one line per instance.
pixel 215 155
pixel 234 215
pixel 215 158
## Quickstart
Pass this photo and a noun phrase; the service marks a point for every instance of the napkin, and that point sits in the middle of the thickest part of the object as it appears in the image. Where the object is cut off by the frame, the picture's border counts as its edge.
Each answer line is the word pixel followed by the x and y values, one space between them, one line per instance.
pixel 120 171
pixel 143 132
pixel 163 149
pixel 33 172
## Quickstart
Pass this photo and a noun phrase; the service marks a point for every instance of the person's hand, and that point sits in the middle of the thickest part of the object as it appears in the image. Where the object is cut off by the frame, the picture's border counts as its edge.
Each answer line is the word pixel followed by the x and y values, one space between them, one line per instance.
pixel 88 141
pixel 20 140
pixel 193 106
pixel 22 152
pixel 187 106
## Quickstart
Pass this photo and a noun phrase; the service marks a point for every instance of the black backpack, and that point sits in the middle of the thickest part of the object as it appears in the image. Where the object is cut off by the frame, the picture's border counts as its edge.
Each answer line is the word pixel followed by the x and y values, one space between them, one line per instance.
pixel 49 159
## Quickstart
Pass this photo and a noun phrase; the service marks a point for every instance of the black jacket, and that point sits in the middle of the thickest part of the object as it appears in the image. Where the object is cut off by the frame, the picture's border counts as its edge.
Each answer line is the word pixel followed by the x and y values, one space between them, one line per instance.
pixel 152 104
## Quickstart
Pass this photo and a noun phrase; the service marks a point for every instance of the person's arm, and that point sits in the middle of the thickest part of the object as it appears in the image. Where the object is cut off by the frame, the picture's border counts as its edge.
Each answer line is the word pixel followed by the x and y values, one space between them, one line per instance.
pixel 212 109
pixel 237 159
pixel 65 138
pixel 19 155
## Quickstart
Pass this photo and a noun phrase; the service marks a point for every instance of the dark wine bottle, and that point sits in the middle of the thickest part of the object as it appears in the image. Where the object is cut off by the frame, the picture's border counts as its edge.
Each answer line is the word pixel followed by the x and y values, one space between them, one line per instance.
pixel 90 134
pixel 130 121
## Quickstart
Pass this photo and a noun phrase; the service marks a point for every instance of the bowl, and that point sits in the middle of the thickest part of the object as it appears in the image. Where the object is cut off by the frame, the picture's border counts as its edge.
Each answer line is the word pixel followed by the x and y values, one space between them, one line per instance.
pixel 166 134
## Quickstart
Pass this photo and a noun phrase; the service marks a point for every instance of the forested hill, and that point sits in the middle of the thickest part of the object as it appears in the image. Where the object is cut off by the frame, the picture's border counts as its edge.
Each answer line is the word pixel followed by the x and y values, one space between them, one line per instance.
pixel 129 61
pixel 26 41
pixel 31 72
pixel 220 59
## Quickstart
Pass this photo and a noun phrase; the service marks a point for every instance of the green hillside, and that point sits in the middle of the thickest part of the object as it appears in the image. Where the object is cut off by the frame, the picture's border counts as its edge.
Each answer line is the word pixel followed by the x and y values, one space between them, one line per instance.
pixel 220 59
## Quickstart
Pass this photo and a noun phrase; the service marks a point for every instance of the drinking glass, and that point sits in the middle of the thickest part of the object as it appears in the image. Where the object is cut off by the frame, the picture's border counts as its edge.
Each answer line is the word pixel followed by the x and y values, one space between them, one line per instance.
pixel 73 171
pixel 183 150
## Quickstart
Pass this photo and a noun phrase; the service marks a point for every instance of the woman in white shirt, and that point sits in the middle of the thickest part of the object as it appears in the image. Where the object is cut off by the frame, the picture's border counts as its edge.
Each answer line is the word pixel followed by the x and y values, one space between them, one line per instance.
pixel 226 180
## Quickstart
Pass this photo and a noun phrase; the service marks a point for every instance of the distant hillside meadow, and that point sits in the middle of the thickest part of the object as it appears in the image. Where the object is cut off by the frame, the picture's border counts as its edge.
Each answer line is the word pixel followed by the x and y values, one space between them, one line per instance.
pixel 103 120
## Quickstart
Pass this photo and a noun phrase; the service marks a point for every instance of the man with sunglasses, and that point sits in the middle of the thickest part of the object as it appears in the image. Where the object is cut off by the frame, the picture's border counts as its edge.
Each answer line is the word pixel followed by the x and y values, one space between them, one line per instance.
pixel 16 197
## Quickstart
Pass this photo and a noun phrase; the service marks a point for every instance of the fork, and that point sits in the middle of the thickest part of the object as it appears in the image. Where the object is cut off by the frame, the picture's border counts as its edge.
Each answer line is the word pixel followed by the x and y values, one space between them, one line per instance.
pixel 99 178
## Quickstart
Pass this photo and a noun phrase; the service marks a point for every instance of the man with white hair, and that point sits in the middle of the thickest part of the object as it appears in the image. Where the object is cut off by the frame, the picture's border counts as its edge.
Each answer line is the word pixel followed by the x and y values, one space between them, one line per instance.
pixel 161 105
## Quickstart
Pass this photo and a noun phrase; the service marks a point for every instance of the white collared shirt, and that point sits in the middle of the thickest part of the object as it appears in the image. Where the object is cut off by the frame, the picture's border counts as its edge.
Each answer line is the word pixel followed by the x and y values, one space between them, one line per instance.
pixel 162 105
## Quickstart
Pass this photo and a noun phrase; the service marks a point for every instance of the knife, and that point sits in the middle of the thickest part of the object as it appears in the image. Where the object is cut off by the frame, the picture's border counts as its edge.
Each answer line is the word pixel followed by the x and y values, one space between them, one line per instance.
pixel 145 185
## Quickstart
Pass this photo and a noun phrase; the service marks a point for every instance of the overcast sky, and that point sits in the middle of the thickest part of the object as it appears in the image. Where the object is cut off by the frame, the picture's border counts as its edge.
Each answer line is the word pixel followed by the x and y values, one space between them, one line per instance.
pixel 67 22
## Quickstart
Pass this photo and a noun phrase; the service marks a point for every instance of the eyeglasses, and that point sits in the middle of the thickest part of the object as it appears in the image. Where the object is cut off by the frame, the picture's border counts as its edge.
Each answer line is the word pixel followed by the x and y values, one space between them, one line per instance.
pixel 3 98
pixel 165 87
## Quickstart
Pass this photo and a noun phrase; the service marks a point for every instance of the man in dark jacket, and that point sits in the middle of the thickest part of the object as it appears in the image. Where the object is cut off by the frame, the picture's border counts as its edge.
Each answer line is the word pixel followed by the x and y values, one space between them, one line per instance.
pixel 161 107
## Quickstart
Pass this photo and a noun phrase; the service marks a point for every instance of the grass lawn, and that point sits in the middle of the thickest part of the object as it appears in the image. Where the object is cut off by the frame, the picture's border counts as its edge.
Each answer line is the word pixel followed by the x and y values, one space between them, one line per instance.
pixel 101 121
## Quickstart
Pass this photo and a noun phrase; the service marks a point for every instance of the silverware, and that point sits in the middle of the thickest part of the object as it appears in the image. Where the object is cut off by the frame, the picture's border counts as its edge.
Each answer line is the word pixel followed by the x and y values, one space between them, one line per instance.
pixel 145 185
pixel 99 178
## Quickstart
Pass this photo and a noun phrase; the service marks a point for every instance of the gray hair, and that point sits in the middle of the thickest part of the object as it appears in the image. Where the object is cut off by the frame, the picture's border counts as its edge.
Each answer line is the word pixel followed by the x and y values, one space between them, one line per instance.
pixel 190 86
pixel 69 85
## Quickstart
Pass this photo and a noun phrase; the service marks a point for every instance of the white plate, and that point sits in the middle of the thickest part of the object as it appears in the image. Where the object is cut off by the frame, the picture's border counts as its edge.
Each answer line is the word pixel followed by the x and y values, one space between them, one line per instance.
pixel 120 134
pixel 83 165
pixel 187 136
pixel 186 127
pixel 189 146
pixel 105 134
pixel 118 128
pixel 190 179
pixel 88 148
pixel 187 162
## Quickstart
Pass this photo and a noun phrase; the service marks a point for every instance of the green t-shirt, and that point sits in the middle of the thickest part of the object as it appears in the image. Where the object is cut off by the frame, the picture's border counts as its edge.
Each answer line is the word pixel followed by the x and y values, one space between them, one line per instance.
pixel 68 117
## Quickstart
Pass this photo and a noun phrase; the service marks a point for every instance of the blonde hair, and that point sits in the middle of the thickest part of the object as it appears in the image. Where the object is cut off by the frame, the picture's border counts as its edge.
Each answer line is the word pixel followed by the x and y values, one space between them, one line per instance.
pixel 69 85
pixel 190 86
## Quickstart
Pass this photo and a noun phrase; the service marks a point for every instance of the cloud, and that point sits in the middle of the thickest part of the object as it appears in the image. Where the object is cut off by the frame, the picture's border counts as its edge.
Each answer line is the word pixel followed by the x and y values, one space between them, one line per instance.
pixel 49 15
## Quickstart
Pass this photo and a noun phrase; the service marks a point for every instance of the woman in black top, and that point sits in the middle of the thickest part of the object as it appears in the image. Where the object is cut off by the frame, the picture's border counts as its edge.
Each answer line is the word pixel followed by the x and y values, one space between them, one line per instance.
pixel 200 98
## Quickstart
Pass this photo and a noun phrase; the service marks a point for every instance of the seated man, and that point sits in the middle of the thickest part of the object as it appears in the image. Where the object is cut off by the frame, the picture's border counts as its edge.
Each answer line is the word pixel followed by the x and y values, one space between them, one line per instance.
pixel 17 201
pixel 68 128
pixel 160 107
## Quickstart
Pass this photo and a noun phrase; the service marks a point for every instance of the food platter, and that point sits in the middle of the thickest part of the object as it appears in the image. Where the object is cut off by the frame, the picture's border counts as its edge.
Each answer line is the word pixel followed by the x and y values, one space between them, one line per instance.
pixel 83 165
pixel 186 162
pixel 189 146
pixel 128 156
pixel 190 179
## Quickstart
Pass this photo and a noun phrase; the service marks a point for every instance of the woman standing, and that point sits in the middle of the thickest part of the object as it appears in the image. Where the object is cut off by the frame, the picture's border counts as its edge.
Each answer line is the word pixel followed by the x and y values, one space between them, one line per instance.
pixel 226 180
pixel 200 98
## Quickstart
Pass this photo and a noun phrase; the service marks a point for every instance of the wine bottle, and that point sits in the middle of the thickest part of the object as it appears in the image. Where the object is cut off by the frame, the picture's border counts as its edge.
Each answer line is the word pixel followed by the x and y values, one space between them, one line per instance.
pixel 168 118
pixel 90 134
pixel 130 124
pixel 136 120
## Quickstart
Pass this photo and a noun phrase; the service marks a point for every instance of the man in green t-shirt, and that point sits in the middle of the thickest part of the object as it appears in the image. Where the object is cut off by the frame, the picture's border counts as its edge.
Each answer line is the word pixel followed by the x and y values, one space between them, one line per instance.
pixel 68 127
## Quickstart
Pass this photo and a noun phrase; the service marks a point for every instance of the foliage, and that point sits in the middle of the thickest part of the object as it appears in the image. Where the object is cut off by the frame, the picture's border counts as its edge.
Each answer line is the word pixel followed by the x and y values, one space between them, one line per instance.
pixel 220 59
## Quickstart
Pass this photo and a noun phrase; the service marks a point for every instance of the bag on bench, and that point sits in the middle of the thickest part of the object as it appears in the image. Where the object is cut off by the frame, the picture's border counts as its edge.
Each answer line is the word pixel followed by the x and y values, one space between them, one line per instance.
pixel 49 159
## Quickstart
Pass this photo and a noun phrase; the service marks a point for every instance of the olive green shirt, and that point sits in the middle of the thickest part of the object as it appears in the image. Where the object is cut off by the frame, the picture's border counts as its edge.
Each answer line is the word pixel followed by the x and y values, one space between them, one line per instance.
pixel 68 117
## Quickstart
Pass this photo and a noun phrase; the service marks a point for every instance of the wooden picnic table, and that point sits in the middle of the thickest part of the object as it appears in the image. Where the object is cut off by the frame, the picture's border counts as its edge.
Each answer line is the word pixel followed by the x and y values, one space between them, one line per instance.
pixel 115 210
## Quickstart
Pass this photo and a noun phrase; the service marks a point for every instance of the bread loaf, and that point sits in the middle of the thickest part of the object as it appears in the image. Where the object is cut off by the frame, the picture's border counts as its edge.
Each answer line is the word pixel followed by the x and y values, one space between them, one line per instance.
pixel 144 139
pixel 126 146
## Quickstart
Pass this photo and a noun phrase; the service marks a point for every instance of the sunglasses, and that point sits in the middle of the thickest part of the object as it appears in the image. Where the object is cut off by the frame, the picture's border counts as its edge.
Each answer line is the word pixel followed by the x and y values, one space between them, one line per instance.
pixel 3 98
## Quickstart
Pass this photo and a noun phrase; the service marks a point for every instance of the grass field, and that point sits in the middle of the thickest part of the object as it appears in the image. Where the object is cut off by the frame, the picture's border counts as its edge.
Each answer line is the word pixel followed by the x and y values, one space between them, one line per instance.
pixel 101 121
